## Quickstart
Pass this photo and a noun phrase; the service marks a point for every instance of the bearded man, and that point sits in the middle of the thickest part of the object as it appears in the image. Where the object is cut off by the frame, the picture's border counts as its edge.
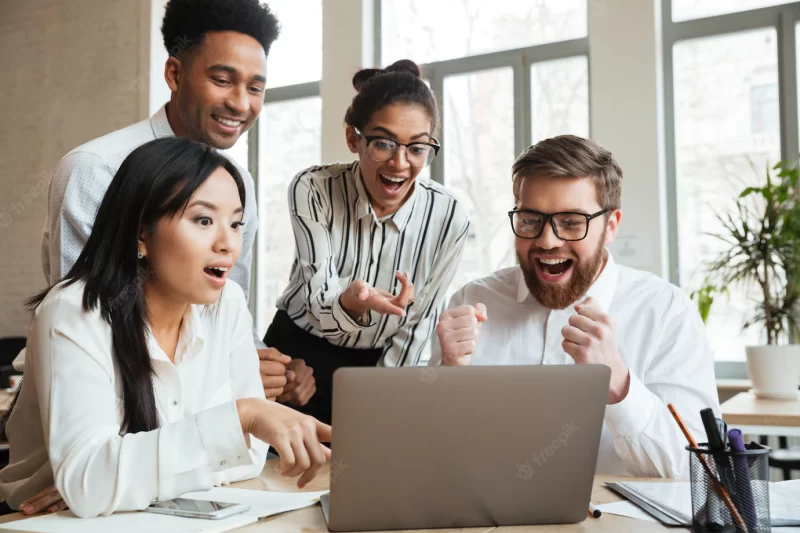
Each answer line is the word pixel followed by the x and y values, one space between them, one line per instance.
pixel 568 302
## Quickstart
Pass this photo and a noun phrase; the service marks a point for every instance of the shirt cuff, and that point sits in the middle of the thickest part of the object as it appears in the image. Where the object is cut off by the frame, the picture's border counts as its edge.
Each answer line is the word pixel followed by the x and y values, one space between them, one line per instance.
pixel 629 417
pixel 344 321
pixel 222 437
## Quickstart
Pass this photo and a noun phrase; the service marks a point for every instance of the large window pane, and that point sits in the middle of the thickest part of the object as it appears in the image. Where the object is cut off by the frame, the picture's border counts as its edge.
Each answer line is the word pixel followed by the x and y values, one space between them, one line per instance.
pixel 692 9
pixel 427 31
pixel 296 56
pixel 560 94
pixel 289 141
pixel 479 151
pixel 726 132
pixel 238 152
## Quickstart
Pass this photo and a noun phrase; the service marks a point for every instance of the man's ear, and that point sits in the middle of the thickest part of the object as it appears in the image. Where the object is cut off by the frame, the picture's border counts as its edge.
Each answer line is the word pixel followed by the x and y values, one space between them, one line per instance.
pixel 353 138
pixel 614 220
pixel 173 71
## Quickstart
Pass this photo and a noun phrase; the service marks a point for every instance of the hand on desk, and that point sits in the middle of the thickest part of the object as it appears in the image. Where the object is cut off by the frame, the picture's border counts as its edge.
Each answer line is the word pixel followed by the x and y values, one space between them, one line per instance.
pixel 48 500
pixel 458 332
pixel 359 297
pixel 590 339
pixel 272 366
pixel 301 384
pixel 294 435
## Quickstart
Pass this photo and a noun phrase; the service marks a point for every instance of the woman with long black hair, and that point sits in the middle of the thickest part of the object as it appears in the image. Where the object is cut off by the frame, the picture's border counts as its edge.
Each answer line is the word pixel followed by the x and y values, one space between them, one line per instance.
pixel 141 380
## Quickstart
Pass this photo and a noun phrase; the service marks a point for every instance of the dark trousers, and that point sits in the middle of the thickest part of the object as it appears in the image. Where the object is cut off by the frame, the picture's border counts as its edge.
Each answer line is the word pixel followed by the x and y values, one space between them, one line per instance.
pixel 325 358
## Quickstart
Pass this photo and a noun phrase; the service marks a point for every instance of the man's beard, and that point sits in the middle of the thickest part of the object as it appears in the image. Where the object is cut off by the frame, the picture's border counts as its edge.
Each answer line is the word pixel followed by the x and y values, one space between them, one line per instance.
pixel 560 296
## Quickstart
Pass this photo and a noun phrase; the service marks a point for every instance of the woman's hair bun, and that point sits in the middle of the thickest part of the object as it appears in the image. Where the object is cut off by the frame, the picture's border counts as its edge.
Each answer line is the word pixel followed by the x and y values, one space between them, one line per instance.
pixel 403 65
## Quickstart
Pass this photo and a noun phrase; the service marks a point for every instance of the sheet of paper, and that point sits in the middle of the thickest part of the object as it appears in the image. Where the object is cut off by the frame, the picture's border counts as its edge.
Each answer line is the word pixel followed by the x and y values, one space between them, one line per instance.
pixel 262 502
pixel 625 508
pixel 132 522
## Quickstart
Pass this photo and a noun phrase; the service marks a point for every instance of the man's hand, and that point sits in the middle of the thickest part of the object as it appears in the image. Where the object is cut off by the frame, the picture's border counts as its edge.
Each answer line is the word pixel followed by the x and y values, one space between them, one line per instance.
pixel 301 384
pixel 48 500
pixel 359 297
pixel 589 339
pixel 458 331
pixel 272 366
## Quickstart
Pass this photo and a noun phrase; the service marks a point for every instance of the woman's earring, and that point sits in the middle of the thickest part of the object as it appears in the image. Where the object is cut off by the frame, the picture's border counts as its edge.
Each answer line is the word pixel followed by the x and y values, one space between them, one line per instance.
pixel 140 255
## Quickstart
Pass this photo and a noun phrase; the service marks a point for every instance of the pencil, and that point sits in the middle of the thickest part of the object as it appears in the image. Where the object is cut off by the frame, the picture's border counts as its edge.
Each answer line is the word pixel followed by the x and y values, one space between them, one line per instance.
pixel 594 512
pixel 717 485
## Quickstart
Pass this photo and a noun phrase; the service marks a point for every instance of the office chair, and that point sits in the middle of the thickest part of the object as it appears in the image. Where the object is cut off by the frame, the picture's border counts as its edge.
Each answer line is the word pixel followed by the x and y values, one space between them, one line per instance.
pixel 785 458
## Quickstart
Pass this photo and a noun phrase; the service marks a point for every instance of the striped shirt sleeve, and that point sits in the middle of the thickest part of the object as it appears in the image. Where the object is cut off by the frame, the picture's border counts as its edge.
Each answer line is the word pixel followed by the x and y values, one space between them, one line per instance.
pixel 316 260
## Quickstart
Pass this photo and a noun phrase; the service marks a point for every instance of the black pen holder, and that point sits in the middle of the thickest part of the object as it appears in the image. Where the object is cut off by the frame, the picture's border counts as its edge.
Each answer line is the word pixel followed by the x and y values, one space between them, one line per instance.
pixel 743 485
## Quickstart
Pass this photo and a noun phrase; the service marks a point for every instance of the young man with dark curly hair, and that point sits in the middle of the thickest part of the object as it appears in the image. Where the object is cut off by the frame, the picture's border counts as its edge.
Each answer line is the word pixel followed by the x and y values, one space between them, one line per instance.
pixel 216 72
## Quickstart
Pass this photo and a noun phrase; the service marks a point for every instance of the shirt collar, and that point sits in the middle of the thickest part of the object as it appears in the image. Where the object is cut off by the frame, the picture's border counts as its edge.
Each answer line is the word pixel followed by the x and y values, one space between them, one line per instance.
pixel 364 207
pixel 160 123
pixel 190 340
pixel 602 289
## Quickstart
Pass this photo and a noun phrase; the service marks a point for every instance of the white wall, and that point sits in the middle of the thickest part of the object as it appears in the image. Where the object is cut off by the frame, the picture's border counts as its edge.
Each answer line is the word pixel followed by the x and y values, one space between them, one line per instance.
pixel 71 71
pixel 625 88
pixel 347 47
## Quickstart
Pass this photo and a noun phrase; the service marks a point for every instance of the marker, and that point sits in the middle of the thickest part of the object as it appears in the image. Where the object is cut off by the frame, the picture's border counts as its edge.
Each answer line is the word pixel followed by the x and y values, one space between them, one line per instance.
pixel 594 512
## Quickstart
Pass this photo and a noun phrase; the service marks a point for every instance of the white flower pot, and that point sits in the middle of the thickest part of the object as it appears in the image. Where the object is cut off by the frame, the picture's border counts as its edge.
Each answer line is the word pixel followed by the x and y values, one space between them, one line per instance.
pixel 774 371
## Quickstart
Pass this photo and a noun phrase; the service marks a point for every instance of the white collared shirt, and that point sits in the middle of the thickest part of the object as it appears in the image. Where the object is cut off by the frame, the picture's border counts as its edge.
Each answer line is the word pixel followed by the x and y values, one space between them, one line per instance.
pixel 660 337
pixel 80 182
pixel 70 409
pixel 339 239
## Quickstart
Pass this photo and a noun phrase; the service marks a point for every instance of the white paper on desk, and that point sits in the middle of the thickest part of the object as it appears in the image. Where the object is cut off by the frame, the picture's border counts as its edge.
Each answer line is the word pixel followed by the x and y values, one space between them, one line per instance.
pixel 626 508
pixel 262 502
pixel 129 522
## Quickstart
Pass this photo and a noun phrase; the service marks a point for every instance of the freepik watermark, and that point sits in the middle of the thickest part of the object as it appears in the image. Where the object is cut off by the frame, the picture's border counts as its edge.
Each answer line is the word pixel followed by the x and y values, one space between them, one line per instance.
pixel 526 469
pixel 337 467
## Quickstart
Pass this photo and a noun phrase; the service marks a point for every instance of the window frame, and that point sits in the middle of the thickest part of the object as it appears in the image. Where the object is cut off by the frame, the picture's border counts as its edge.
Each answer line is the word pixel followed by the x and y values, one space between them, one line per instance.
pixel 285 93
pixel 783 19
pixel 519 59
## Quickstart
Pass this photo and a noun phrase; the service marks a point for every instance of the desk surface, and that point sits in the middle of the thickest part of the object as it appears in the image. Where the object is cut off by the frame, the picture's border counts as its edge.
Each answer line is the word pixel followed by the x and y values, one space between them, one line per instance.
pixel 310 520
pixel 746 409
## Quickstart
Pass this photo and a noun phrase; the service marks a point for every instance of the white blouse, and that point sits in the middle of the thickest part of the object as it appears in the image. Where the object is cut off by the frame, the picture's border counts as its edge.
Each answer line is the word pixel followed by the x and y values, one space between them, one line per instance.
pixel 70 409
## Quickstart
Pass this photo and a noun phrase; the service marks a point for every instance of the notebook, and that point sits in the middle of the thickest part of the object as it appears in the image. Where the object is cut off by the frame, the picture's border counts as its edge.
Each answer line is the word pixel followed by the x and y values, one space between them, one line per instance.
pixel 671 502
pixel 130 522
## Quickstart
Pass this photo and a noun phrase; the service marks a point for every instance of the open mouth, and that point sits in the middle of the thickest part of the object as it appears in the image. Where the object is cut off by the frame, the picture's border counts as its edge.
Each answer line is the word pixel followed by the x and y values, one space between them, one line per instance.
pixel 553 269
pixel 216 275
pixel 391 184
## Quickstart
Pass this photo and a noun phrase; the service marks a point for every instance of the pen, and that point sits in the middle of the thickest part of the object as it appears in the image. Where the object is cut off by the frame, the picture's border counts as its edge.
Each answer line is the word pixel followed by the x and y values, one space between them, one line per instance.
pixel 716 443
pixel 594 512
pixel 744 492
pixel 717 485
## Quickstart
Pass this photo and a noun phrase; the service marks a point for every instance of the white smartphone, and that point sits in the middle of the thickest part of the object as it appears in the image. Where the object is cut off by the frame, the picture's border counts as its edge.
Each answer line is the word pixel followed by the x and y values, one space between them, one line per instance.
pixel 197 508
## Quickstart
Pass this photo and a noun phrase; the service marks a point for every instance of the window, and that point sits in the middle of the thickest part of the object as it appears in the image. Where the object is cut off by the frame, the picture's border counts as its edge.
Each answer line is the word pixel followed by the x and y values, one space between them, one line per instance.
pixel 479 141
pixel 426 31
pixel 296 56
pixel 534 74
pixel 289 141
pixel 727 129
pixel 560 93
pixel 692 9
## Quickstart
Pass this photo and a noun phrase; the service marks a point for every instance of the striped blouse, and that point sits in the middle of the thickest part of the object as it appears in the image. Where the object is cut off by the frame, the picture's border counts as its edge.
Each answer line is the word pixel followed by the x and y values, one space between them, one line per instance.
pixel 339 239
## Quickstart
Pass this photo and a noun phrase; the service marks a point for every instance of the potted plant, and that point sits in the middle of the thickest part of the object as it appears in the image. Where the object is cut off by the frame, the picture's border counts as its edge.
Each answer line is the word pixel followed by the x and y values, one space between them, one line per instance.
pixel 762 249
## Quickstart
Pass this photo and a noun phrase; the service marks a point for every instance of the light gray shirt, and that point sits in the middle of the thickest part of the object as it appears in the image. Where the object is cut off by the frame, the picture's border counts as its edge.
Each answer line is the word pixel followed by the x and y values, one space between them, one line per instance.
pixel 81 180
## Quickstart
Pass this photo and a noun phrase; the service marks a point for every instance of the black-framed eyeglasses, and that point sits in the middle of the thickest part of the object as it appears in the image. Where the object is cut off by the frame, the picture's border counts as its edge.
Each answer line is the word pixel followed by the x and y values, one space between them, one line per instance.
pixel 419 154
pixel 567 225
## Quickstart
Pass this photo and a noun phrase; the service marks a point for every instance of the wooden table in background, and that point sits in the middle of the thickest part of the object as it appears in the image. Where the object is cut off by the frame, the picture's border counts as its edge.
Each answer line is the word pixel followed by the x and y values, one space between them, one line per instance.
pixel 5 400
pixel 759 416
pixel 310 520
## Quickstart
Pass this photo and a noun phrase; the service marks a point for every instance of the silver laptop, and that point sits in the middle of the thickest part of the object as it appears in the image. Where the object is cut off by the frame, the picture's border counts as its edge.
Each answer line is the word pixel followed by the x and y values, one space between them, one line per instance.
pixel 420 447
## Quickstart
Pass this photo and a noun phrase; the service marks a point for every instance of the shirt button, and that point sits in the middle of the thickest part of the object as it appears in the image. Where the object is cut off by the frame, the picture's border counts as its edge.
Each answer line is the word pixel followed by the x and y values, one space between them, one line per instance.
pixel 174 402
pixel 223 463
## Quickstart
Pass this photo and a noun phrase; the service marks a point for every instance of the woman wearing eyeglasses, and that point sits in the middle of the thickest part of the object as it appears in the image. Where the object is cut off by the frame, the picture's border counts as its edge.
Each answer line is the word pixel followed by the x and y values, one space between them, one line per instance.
pixel 376 246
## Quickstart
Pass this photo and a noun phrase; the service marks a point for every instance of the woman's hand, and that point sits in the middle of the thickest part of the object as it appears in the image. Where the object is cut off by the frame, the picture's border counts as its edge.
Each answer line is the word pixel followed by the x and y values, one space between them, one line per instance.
pixel 48 500
pixel 295 436
pixel 359 297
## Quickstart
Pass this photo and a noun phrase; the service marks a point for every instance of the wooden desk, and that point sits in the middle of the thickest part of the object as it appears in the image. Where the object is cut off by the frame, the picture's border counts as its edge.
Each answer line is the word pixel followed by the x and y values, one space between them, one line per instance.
pixel 310 520
pixel 757 416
